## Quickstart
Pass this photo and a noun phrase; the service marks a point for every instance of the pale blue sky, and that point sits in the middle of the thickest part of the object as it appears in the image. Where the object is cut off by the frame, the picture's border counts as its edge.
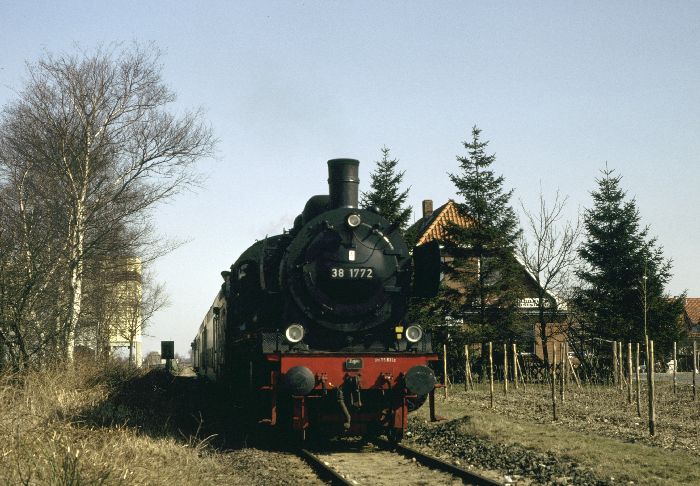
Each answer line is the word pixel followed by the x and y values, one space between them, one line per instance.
pixel 559 88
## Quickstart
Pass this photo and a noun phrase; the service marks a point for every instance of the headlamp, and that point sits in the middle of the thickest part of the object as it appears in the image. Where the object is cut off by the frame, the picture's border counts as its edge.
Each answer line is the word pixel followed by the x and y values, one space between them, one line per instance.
pixel 413 333
pixel 353 220
pixel 294 333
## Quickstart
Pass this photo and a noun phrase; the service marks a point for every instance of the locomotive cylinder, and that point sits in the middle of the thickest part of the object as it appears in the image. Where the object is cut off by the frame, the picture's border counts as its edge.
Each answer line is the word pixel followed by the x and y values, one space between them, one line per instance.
pixel 343 183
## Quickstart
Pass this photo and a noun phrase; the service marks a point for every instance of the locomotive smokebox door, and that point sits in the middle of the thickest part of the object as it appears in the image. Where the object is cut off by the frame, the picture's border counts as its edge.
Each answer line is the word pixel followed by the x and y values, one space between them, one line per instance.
pixel 167 350
pixel 426 268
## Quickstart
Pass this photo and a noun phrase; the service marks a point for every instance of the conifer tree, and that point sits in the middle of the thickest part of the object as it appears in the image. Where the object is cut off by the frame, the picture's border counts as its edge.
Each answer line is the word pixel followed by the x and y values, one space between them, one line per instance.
pixel 484 250
pixel 622 264
pixel 386 194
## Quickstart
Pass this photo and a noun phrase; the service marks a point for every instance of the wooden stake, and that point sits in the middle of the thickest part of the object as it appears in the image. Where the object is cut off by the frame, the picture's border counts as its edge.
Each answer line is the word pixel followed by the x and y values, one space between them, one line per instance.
pixel 639 386
pixel 564 360
pixel 695 369
pixel 650 377
pixel 561 373
pixel 520 372
pixel 466 368
pixel 505 369
pixel 444 366
pixel 515 366
pixel 554 382
pixel 614 362
pixel 629 372
pixel 675 365
pixel 620 366
pixel 573 372
pixel 491 370
pixel 469 370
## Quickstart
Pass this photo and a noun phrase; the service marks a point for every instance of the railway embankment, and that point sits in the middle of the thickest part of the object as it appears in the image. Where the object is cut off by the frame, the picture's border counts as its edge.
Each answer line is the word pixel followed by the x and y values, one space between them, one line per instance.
pixel 114 425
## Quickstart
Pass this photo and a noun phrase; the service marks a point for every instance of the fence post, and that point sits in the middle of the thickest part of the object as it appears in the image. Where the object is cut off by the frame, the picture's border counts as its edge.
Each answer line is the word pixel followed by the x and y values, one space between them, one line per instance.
pixel 515 366
pixel 505 369
pixel 675 365
pixel 466 367
pixel 520 372
pixel 469 369
pixel 629 372
pixel 561 372
pixel 554 382
pixel 620 366
pixel 650 378
pixel 614 363
pixel 639 386
pixel 565 361
pixel 444 366
pixel 695 369
pixel 573 372
pixel 491 370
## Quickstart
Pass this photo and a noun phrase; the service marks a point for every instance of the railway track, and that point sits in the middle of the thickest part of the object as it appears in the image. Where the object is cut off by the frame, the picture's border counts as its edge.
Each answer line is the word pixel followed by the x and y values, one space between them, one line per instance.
pixel 383 463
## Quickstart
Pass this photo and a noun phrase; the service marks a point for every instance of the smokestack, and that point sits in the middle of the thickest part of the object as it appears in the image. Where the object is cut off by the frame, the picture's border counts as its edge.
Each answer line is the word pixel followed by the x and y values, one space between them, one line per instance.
pixel 343 183
pixel 427 208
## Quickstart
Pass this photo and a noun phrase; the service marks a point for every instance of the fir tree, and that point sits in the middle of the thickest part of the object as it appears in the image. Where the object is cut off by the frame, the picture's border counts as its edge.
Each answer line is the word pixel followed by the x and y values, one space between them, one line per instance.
pixel 386 194
pixel 484 250
pixel 622 265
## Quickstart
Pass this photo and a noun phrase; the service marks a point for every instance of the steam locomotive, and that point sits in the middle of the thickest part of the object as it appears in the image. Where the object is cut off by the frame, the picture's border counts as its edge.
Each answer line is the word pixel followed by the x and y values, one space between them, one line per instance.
pixel 308 331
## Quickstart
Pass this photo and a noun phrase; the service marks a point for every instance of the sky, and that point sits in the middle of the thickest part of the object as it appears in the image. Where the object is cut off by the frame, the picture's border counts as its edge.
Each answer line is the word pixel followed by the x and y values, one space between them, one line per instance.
pixel 560 89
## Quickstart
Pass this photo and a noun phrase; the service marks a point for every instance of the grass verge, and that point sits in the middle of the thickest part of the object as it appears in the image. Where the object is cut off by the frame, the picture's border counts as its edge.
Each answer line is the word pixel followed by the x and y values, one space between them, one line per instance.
pixel 597 429
pixel 114 425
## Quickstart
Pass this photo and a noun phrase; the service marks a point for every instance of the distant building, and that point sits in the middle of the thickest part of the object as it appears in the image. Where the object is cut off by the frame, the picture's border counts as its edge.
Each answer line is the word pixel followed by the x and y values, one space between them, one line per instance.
pixel 691 317
pixel 126 320
pixel 432 226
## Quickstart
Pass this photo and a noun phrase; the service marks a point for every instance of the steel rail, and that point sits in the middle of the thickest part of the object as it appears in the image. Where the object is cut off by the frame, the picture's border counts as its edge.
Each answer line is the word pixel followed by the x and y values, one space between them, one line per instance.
pixel 435 463
pixel 324 471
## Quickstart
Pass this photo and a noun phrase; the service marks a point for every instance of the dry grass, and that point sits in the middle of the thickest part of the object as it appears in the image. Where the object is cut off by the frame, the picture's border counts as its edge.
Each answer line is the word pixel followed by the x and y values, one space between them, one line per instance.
pixel 596 427
pixel 84 426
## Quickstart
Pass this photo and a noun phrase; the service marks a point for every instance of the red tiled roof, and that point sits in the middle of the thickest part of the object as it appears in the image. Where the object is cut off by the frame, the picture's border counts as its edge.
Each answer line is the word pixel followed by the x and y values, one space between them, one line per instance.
pixel 692 309
pixel 435 229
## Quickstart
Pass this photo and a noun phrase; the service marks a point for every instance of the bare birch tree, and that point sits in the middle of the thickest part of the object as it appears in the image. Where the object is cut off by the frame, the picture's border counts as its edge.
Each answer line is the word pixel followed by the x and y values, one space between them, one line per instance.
pixel 547 248
pixel 97 128
pixel 30 264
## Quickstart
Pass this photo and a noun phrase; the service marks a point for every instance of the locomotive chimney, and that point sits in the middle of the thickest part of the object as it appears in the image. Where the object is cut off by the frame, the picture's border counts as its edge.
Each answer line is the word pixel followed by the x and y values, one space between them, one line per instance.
pixel 343 183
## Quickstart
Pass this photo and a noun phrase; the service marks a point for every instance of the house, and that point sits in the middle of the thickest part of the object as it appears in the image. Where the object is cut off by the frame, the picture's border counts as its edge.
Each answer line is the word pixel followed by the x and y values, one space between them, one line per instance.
pixel 691 317
pixel 432 226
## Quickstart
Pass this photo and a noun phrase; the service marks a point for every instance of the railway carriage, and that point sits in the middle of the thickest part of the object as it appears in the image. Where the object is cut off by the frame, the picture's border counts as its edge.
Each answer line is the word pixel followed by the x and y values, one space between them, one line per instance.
pixel 308 330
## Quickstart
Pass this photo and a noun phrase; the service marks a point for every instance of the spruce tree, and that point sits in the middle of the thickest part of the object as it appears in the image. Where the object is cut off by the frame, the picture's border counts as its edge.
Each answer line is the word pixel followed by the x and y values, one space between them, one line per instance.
pixel 622 264
pixel 386 194
pixel 484 250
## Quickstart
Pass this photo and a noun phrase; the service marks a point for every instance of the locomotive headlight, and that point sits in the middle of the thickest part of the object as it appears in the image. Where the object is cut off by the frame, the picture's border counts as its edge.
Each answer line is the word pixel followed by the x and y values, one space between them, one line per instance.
pixel 353 220
pixel 413 334
pixel 294 333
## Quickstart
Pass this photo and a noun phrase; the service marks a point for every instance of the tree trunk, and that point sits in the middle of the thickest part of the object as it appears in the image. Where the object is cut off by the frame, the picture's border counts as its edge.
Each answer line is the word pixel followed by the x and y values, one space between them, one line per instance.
pixel 131 350
pixel 76 278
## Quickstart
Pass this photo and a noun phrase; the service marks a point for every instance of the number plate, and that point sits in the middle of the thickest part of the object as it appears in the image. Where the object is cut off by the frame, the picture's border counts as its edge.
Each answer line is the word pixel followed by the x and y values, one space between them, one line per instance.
pixel 353 364
pixel 352 273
